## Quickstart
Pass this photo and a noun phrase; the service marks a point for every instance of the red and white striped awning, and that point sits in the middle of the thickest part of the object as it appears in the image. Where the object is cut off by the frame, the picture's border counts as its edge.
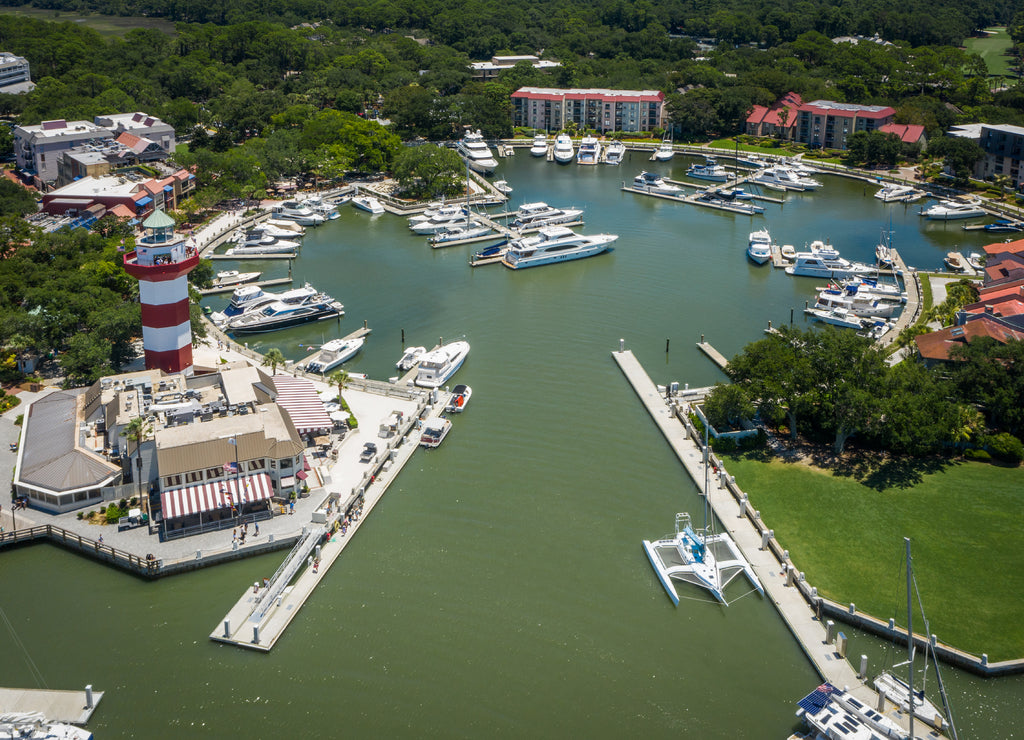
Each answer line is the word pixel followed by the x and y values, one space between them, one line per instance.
pixel 215 495
pixel 299 398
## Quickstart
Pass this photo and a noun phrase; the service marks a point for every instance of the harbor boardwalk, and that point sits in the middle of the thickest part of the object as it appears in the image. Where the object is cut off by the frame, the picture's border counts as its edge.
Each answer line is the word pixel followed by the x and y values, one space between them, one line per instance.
pixel 72 707
pixel 779 581
pixel 259 618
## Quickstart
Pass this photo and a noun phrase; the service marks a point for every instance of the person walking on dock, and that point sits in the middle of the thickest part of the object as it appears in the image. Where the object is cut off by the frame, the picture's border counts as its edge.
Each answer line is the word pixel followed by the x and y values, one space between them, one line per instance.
pixel 256 532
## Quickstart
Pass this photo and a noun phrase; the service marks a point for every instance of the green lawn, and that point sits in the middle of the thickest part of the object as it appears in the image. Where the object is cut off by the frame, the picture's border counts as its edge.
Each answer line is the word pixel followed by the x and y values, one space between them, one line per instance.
pixel 108 25
pixel 993 47
pixel 846 530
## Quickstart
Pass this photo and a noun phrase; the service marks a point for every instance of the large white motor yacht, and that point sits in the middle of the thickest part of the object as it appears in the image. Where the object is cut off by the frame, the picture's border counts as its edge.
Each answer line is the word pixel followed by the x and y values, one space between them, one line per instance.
pixel 651 182
pixel 589 151
pixel 533 215
pixel 475 152
pixel 438 365
pixel 785 178
pixel 294 210
pixel 759 248
pixel 554 244
pixel 822 260
pixel 540 146
pixel 563 152
pixel 614 152
pixel 949 210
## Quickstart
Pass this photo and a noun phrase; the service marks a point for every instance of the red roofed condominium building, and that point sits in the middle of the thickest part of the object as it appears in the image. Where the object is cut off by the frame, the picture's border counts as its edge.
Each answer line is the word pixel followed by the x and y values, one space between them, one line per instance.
pixel 551 109
pixel 779 120
pixel 827 125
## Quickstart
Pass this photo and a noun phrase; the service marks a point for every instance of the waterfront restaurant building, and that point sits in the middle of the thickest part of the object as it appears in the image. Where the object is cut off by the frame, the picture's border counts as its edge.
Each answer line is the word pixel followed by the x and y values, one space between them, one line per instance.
pixel 606 111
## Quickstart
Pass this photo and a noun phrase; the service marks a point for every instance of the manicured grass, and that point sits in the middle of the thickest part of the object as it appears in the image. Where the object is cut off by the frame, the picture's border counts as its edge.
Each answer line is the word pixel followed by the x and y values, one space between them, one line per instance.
pixel 731 144
pixel 992 48
pixel 107 25
pixel 845 531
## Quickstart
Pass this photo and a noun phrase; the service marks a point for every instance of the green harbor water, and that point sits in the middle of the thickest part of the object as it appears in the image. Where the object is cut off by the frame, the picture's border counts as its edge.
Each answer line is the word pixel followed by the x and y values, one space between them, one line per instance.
pixel 500 587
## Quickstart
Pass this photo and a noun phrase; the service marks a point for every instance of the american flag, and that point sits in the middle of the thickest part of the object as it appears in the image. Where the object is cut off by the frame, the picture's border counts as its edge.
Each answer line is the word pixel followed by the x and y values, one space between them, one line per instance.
pixel 230 467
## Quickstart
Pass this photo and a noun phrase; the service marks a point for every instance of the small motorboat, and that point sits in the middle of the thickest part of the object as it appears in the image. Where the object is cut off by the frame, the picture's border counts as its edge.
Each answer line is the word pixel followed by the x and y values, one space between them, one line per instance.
pixel 234 277
pixel 976 261
pixel 334 353
pixel 434 431
pixel 502 186
pixel 953 262
pixel 460 397
pixel 410 358
pixel 368 203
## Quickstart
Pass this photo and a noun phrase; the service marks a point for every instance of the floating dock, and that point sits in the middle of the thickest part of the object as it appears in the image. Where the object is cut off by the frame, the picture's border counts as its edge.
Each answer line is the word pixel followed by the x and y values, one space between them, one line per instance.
pixel 258 283
pixel 71 707
pixel 243 257
pixel 808 630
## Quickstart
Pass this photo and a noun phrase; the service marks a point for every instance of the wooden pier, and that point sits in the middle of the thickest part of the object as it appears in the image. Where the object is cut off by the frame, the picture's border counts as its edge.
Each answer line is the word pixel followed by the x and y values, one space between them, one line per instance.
pixel 258 283
pixel 716 357
pixel 779 580
pixel 71 707
pixel 912 310
pixel 692 200
pixel 364 331
pixel 243 257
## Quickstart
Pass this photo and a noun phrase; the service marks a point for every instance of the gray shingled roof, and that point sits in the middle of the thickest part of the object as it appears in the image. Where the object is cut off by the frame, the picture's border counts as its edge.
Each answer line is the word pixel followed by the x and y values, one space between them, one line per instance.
pixel 50 458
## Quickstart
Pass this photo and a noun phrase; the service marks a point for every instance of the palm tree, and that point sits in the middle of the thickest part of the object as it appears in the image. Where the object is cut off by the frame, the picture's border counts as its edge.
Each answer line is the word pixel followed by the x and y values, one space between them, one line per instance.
pixel 340 379
pixel 138 431
pixel 273 357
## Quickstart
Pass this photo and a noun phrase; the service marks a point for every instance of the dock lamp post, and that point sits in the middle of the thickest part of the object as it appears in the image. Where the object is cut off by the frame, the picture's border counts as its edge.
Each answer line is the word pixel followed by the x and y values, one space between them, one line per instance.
pixel 238 490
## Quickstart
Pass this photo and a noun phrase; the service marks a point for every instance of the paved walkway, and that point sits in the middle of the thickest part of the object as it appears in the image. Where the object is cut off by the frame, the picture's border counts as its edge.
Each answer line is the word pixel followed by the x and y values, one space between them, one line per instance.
pixel 795 611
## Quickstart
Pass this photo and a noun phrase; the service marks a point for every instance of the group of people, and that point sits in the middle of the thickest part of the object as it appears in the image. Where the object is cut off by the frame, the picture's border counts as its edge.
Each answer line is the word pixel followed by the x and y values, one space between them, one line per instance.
pixel 239 537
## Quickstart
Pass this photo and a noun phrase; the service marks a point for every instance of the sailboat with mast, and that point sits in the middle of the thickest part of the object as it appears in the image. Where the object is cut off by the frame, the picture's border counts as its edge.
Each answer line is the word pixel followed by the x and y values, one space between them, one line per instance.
pixel 902 692
pixel 701 557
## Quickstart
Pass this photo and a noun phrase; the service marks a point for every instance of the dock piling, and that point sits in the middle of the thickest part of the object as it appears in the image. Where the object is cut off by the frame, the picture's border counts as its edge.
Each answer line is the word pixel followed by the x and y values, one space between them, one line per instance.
pixel 88 696
pixel 227 628
pixel 830 631
pixel 863 667
pixel 256 634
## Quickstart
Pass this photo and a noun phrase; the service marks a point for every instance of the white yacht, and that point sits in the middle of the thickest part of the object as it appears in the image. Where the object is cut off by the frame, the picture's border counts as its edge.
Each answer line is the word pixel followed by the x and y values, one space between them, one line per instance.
pixel 255 244
pixel 295 228
pixel 294 210
pixel 334 353
pixel 317 204
pixel 460 397
pixel 540 146
pixel 438 365
pixel 838 317
pixel 823 260
pixel 949 210
pixel 448 218
pixel 834 713
pixel 475 152
pixel 710 170
pixel 368 203
pixel 534 215
pixel 226 278
pixel 614 152
pixel 653 183
pixel 269 229
pixel 248 297
pixel 854 302
pixel 759 249
pixel 554 244
pixel 459 232
pixel 896 192
pixel 439 212
pixel 699 557
pixel 503 187
pixel 563 152
pixel 664 152
pixel 784 178
pixel 589 151
pixel 410 358
pixel 278 315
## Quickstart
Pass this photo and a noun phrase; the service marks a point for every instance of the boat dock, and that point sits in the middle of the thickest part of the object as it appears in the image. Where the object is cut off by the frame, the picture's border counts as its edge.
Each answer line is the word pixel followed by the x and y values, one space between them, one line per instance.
pixel 488 260
pixel 274 256
pixel 264 611
pixel 818 641
pixel 716 357
pixel 259 283
pixel 912 310
pixel 693 200
pixel 71 707
pixel 357 334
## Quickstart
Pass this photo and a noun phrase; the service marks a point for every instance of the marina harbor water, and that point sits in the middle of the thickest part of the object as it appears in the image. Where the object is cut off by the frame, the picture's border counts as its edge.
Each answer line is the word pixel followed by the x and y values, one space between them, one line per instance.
pixel 499 587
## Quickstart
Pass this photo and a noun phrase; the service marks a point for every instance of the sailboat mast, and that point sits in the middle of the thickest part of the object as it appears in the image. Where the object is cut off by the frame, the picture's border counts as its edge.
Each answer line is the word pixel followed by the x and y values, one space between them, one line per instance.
pixel 910 637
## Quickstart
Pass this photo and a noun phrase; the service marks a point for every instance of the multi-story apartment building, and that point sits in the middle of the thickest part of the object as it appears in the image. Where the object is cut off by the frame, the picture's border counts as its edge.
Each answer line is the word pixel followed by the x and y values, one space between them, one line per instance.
pixel 14 74
pixel 827 124
pixel 1003 146
pixel 552 109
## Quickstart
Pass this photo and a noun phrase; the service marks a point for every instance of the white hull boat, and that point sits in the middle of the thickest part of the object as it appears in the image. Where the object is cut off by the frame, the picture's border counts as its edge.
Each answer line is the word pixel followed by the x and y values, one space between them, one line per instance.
pixel 837 317
pixel 334 353
pixel 563 152
pixel 554 244
pixel 614 153
pixel 650 182
pixel 292 210
pixel 951 210
pixel 897 691
pixel 368 203
pixel 476 154
pixel 434 431
pixel 267 228
pixel 540 146
pixel 280 223
pixel 534 215
pixel 857 304
pixel 707 560
pixel 821 260
pixel 759 248
pixel 438 365
pixel 234 277
pixel 832 713
pixel 410 359
pixel 459 233
pixel 502 186
pixel 710 170
pixel 898 193
pixel 781 177
pixel 460 397
pixel 589 151
pixel 664 152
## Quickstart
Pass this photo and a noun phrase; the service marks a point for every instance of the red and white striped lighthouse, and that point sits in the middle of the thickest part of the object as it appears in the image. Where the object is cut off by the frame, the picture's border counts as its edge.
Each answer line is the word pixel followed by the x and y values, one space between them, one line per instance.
pixel 161 263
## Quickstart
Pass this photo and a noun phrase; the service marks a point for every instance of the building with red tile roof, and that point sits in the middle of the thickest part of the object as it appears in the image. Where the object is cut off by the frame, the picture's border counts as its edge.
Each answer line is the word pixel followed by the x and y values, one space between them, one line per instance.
pixel 827 124
pixel 136 197
pixel 777 120
pixel 552 109
pixel 909 133
pixel 935 347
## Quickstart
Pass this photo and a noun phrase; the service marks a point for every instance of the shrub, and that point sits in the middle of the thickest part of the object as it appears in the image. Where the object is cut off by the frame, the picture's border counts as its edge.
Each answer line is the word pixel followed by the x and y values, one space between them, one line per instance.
pixel 973 453
pixel 1005 447
pixel 114 512
pixel 19 419
pixel 81 516
pixel 352 423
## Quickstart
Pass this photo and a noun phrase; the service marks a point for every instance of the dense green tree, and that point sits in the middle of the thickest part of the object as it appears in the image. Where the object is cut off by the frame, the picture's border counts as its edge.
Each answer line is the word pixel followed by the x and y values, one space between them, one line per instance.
pixel 429 169
pixel 958 153
pixel 988 372
pixel 727 405
pixel 16 200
